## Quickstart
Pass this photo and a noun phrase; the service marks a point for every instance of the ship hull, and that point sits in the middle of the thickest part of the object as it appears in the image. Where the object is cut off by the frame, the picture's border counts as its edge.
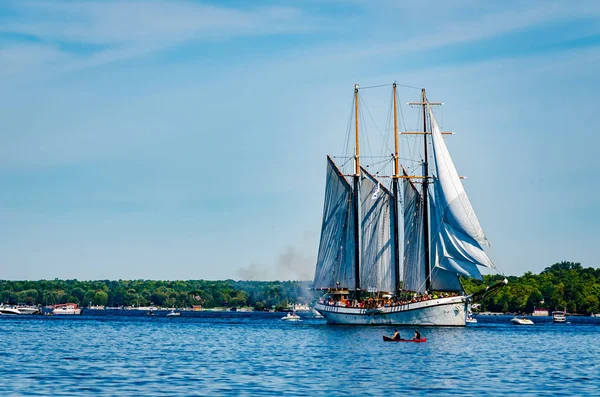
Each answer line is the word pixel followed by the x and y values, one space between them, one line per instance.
pixel 451 312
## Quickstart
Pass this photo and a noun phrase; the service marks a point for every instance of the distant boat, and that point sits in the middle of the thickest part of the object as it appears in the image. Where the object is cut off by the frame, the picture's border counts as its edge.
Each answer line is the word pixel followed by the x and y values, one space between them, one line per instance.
pixel 173 313
pixel 521 321
pixel 9 311
pixel 559 317
pixel 66 308
pixel 28 309
pixel 471 320
pixel 291 317
pixel 359 260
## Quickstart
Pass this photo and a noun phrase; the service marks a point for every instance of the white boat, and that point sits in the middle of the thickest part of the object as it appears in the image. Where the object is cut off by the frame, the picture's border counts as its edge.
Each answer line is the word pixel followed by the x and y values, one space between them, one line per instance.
pixel 521 321
pixel 66 308
pixel 173 313
pixel 291 317
pixel 559 317
pixel 28 309
pixel 9 311
pixel 471 320
pixel 358 263
pixel 142 308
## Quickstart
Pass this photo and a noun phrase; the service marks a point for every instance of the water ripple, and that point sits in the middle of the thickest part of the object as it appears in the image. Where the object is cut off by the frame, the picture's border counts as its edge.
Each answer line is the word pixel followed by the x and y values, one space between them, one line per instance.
pixel 117 353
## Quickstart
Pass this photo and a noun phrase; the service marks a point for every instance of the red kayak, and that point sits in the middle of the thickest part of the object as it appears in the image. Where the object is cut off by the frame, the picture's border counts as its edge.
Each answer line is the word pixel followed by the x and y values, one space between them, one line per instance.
pixel 388 339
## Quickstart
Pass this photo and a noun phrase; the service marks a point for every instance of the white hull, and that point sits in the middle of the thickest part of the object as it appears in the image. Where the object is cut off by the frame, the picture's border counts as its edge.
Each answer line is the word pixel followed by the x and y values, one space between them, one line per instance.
pixel 9 311
pixel 73 310
pixel 28 310
pixel 521 321
pixel 435 312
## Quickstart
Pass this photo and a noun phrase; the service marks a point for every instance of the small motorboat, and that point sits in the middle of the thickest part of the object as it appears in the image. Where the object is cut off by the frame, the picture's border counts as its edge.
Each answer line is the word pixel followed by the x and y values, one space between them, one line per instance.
pixel 66 308
pixel 521 321
pixel 9 311
pixel 559 317
pixel 471 320
pixel 173 313
pixel 291 317
pixel 28 309
pixel 388 339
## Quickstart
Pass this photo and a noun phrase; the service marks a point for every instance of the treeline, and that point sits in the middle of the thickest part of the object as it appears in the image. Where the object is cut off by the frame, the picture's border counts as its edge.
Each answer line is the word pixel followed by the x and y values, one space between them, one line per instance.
pixel 209 294
pixel 564 285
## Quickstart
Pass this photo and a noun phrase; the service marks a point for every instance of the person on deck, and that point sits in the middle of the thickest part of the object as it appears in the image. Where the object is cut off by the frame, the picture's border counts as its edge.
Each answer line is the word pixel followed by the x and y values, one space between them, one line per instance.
pixel 417 335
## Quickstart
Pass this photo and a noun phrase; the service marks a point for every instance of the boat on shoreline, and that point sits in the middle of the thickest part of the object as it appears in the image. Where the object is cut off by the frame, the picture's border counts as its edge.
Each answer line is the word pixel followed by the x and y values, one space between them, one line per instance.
pixel 66 309
pixel 9 311
pixel 358 263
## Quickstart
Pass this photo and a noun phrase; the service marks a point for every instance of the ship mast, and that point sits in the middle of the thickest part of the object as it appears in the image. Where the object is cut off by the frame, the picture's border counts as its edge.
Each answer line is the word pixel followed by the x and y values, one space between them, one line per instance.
pixel 395 199
pixel 355 198
pixel 425 195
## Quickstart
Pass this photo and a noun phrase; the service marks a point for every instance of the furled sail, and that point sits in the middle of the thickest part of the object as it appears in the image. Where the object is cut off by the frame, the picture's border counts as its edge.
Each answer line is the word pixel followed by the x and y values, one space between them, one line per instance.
pixel 414 257
pixel 456 235
pixel 377 270
pixel 335 261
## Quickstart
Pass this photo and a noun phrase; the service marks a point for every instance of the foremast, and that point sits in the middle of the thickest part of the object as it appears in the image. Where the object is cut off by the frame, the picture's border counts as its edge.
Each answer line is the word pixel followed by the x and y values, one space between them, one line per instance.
pixel 425 188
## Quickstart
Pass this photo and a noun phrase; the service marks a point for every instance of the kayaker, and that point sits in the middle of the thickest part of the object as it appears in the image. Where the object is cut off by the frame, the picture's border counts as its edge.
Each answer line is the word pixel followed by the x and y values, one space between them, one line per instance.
pixel 396 335
pixel 417 335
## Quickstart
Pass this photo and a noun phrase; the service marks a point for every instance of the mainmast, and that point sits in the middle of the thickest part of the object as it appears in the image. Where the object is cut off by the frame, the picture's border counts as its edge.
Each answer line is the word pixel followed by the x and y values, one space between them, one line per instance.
pixel 356 198
pixel 396 175
pixel 425 195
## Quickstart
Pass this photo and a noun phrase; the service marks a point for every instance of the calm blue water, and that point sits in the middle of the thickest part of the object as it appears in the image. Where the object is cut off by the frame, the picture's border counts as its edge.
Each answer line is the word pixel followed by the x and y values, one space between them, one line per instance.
pixel 107 353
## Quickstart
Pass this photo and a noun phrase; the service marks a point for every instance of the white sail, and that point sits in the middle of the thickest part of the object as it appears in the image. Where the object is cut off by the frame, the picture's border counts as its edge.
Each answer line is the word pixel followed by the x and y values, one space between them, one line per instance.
pixel 377 270
pixel 453 254
pixel 456 235
pixel 335 261
pixel 414 256
pixel 454 205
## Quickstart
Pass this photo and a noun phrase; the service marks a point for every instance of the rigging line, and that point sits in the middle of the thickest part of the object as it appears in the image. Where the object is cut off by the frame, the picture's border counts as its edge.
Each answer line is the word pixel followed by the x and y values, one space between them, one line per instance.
pixel 346 162
pixel 348 128
pixel 385 162
pixel 384 165
pixel 363 105
pixel 374 86
pixel 401 111
pixel 374 123
pixel 408 86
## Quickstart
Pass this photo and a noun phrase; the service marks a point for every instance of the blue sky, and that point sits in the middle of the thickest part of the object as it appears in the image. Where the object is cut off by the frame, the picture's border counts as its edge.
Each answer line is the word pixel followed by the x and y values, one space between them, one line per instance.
pixel 187 139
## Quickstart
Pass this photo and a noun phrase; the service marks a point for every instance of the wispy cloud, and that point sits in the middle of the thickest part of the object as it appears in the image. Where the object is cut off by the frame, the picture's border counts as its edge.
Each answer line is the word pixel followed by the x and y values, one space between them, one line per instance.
pixel 116 30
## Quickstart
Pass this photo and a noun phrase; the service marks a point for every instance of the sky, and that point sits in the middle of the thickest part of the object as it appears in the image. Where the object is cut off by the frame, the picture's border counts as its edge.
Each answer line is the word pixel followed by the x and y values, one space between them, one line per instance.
pixel 187 139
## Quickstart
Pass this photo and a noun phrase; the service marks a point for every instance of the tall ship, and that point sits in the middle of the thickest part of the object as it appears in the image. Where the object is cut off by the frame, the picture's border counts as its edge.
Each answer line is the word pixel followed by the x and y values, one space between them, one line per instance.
pixel 373 271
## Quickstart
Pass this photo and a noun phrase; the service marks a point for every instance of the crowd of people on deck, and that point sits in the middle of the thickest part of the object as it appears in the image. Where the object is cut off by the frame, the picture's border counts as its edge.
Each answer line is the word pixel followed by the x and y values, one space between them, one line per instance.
pixel 384 301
